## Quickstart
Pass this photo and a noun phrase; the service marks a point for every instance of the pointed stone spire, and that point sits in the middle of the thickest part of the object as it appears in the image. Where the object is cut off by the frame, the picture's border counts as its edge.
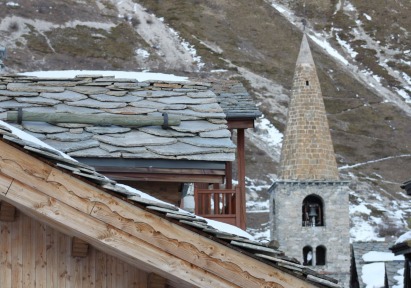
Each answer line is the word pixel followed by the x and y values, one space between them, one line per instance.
pixel 307 151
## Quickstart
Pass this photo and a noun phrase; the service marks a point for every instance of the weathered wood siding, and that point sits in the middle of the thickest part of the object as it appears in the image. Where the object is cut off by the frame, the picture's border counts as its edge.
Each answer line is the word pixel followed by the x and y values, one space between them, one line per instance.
pixel 34 255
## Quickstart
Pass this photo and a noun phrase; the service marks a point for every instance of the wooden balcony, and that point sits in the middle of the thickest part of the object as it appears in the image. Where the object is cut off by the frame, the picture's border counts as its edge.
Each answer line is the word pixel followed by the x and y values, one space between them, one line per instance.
pixel 224 205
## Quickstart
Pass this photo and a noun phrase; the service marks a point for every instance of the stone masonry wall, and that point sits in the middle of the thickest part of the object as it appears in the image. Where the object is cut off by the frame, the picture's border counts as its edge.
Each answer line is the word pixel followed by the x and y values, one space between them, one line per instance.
pixel 287 229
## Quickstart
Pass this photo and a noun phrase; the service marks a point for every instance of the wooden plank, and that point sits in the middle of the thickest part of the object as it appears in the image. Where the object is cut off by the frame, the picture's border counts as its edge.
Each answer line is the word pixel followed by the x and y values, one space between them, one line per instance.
pixel 17 251
pixel 39 239
pixel 5 183
pixel 241 176
pixel 118 176
pixel 156 281
pixel 62 258
pixel 110 239
pixel 5 254
pixel 89 279
pixel 240 123
pixel 101 269
pixel 28 254
pixel 7 212
pixel 52 254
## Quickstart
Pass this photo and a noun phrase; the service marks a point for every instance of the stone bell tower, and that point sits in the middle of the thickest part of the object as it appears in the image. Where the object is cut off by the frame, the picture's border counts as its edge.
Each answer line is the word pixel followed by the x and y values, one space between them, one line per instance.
pixel 309 203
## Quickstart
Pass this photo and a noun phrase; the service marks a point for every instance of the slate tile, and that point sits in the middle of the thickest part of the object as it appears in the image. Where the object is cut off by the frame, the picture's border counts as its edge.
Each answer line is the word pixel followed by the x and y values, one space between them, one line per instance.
pixel 202 94
pixel 198 126
pixel 69 137
pixel 14 93
pixel 179 149
pixel 57 83
pixel 210 142
pixel 64 108
pixel 134 138
pixel 42 127
pixel 223 133
pixel 94 152
pixel 206 108
pixel 130 110
pixel 108 98
pixel 208 157
pixel 107 129
pixel 156 93
pixel 65 96
pixel 116 93
pixel 28 87
pixel 4 98
pixel 185 100
pixel 197 115
pixel 13 104
pixel 159 131
pixel 131 150
pixel 89 90
pixel 37 100
pixel 72 146
pixel 91 103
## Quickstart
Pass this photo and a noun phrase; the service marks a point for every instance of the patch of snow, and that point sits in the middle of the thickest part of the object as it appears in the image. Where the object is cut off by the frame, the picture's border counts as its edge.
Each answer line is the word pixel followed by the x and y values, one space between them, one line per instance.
pixel 361 208
pixel 228 228
pixel 404 237
pixel 142 53
pixel 12 4
pixel 319 39
pixel 218 71
pixel 376 256
pixel 30 138
pixel 368 17
pixel 347 46
pixel 373 275
pixel 363 231
pixel 140 76
pixel 399 277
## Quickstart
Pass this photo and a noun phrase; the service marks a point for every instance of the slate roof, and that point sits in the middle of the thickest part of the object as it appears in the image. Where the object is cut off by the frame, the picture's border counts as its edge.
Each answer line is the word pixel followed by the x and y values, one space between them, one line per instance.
pixel 202 134
pixel 391 267
pixel 235 100
pixel 264 252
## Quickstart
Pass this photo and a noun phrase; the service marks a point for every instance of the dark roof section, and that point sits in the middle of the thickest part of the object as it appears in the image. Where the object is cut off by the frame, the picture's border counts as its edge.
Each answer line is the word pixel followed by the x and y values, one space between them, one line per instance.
pixel 235 100
pixel 407 187
pixel 202 134
pixel 262 251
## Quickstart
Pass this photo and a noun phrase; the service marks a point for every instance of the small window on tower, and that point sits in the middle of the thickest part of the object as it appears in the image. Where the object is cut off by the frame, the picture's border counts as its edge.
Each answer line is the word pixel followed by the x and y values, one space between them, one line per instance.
pixel 308 256
pixel 307 83
pixel 320 253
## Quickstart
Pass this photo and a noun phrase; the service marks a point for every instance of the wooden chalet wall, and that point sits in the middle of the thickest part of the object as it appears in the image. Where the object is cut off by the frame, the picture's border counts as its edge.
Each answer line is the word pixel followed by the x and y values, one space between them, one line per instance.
pixel 35 255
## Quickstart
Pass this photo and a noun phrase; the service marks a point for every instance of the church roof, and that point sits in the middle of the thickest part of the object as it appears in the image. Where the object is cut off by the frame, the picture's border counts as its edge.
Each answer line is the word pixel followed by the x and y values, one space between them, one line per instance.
pixel 307 151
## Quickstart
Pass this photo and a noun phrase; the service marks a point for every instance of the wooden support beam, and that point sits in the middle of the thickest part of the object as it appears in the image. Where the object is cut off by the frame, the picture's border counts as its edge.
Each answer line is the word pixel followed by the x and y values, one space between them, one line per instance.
pixel 241 175
pixel 7 212
pixel 79 248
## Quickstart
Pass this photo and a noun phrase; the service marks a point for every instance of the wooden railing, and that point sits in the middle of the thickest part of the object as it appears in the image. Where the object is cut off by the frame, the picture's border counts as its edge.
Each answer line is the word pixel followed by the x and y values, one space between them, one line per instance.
pixel 219 204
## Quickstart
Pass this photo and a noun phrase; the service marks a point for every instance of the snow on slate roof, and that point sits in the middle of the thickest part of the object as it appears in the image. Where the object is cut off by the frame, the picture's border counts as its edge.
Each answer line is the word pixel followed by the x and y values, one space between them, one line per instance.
pixel 233 237
pixel 404 237
pixel 374 260
pixel 202 134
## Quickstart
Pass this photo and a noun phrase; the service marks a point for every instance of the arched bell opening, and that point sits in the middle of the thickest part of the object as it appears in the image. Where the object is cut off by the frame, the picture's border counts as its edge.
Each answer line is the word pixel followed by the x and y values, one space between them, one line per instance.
pixel 312 211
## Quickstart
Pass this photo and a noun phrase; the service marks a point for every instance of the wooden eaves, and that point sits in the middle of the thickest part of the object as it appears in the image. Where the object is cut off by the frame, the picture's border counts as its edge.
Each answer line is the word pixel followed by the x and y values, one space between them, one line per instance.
pixel 122 229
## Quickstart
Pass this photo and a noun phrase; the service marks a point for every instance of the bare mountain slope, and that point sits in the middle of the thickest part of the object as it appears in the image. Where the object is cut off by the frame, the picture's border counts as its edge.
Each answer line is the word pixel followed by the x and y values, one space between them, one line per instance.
pixel 366 88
